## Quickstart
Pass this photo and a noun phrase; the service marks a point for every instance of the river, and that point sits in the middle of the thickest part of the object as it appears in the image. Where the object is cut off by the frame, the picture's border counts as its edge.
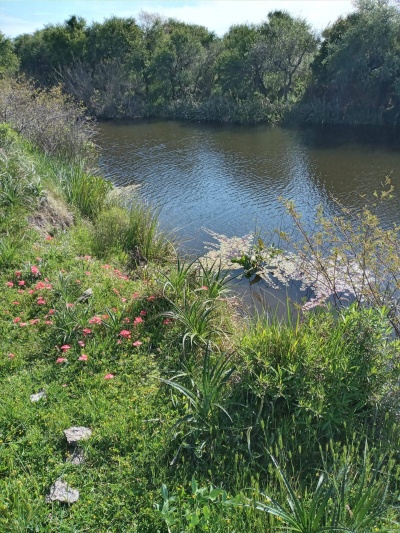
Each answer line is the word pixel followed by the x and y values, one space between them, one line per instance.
pixel 230 179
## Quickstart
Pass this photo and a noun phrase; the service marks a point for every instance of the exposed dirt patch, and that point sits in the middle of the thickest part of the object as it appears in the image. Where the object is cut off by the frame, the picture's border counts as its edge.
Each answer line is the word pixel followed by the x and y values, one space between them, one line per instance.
pixel 52 214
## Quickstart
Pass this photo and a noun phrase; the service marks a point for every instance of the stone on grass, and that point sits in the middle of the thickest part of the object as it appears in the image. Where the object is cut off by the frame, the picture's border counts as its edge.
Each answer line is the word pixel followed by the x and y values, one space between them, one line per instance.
pixel 38 396
pixel 85 295
pixel 76 433
pixel 77 457
pixel 62 492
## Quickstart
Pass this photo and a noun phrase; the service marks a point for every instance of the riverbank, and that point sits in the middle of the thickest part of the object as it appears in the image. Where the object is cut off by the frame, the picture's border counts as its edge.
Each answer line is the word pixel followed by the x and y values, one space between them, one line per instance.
pixel 119 335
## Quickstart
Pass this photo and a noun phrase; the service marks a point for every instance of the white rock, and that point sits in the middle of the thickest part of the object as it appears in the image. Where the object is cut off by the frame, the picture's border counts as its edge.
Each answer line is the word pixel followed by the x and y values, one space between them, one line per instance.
pixel 76 433
pixel 62 492
pixel 38 396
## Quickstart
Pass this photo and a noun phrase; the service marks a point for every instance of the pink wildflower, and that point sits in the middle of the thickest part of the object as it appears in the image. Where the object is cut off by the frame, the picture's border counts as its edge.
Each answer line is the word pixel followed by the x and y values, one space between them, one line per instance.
pixel 137 343
pixel 151 298
pixel 17 273
pixel 21 283
pixel 95 320
pixel 87 257
pixel 204 288
pixel 81 344
pixel 65 348
pixel 138 320
pixel 109 376
pixel 40 301
pixel 31 291
pixel 166 321
pixel 143 313
pixel 61 360
pixel 106 267
pixel 52 311
pixel 10 284
pixel 105 317
pixel 35 271
pixel 69 305
pixel 135 295
pixel 125 333
pixel 34 321
pixel 17 319
pixel 48 322
pixel 83 357
pixel 49 238
pixel 11 355
pixel 88 273
pixel 23 324
pixel 86 331
pixel 15 303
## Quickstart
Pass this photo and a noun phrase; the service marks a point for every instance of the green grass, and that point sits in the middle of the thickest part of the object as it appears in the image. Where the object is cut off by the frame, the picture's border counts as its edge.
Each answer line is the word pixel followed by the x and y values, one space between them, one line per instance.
pixel 173 414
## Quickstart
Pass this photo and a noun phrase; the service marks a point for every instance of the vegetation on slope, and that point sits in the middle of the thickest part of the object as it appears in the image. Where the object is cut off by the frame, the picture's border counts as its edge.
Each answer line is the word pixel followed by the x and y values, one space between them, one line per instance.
pixel 201 420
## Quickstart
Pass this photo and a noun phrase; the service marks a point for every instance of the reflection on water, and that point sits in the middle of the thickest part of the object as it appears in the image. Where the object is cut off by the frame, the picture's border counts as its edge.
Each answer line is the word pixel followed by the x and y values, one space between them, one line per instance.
pixel 230 179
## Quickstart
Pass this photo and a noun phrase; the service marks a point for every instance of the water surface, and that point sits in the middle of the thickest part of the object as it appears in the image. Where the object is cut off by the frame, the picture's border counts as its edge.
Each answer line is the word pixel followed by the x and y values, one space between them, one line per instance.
pixel 230 179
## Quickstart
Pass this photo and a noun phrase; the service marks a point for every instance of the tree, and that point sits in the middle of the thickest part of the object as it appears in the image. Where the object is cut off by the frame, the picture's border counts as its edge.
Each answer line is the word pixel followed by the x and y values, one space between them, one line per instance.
pixel 8 59
pixel 283 54
pixel 45 53
pixel 358 66
pixel 177 60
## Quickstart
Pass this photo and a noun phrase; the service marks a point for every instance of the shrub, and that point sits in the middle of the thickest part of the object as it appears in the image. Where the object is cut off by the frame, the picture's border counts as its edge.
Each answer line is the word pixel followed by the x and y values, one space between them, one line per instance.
pixel 48 118
pixel 329 372
pixel 352 254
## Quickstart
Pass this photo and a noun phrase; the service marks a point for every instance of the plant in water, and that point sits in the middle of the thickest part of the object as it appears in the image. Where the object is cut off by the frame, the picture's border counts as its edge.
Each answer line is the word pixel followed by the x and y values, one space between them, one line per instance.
pixel 252 260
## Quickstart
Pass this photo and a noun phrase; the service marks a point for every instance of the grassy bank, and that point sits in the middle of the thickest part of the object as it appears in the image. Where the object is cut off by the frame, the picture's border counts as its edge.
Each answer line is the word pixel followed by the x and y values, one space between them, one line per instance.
pixel 201 420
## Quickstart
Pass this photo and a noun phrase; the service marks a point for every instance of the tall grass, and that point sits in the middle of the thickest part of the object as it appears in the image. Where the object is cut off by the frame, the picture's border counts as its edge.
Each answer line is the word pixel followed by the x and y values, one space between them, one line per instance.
pixel 143 238
pixel 134 230
pixel 205 392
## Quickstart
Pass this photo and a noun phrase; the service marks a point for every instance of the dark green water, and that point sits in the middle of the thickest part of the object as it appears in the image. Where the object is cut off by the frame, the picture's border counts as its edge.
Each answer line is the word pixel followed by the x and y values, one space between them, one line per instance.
pixel 230 179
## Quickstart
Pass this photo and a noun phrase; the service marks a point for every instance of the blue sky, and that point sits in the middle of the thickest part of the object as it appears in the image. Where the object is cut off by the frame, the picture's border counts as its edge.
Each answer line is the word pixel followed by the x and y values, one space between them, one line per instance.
pixel 25 16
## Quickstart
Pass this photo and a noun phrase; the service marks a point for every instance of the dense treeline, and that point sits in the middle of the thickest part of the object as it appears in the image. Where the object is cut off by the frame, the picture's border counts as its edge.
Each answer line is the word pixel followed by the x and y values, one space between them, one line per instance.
pixel 278 69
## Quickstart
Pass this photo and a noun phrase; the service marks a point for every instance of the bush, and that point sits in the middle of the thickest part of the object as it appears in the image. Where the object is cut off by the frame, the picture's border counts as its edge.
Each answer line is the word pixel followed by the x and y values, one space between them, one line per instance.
pixel 330 373
pixel 48 118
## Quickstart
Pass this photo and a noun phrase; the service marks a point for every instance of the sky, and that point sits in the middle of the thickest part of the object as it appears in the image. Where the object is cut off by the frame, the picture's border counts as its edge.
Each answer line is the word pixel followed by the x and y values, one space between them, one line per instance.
pixel 26 16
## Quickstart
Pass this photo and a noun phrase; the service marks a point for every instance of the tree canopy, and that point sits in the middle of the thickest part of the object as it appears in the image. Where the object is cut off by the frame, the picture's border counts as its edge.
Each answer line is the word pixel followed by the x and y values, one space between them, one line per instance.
pixel 153 65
